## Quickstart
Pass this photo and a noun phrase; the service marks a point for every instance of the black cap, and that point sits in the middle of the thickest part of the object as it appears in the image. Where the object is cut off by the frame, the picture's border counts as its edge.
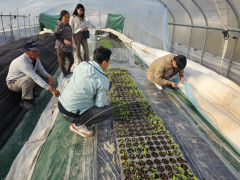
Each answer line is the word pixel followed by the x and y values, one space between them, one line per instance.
pixel 31 45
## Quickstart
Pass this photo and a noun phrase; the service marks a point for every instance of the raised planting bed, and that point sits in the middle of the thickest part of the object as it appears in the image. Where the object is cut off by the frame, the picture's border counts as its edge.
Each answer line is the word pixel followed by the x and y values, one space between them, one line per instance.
pixel 146 149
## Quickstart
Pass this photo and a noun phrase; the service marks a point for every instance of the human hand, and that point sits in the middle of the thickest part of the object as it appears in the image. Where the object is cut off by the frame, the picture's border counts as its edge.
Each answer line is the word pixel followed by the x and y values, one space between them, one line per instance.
pixel 173 84
pixel 50 81
pixel 55 92
pixel 182 80
pixel 68 43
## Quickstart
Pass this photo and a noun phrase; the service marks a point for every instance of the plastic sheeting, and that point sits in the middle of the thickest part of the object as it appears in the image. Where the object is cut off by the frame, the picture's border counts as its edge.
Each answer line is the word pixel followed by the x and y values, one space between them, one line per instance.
pixel 208 7
pixel 115 21
pixel 24 164
pixel 144 17
pixel 216 96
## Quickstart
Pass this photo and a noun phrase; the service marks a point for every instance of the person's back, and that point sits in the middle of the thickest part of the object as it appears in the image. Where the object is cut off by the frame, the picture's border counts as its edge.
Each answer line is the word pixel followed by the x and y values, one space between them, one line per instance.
pixel 81 90
pixel 84 101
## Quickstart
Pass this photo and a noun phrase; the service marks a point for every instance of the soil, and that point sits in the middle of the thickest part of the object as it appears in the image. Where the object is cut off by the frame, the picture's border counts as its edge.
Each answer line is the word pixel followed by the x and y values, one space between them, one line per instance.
pixel 151 148
pixel 184 166
pixel 124 157
pixel 162 154
pixel 170 174
pixel 147 155
pixel 150 143
pixel 132 156
pixel 166 147
pixel 163 142
pixel 130 150
pixel 127 172
pixel 157 161
pixel 139 156
pixel 154 138
pixel 125 164
pixel 160 168
pixel 156 142
pixel 181 160
pixel 122 146
pixel 149 162
pixel 129 145
pixel 163 176
pixel 152 169
pixel 135 144
pixel 154 154
pixel 132 163
pixel 173 161
pixel 138 134
pixel 147 138
pixel 159 148
pixel 165 161
pixel 168 168
pixel 141 163
pixel 122 151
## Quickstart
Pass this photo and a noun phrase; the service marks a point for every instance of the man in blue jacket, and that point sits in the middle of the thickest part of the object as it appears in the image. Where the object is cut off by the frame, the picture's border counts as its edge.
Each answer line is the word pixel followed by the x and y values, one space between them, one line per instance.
pixel 83 101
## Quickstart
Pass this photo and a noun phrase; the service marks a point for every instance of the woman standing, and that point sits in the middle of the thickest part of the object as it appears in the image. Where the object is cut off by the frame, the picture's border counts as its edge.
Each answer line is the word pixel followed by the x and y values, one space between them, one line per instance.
pixel 63 34
pixel 78 24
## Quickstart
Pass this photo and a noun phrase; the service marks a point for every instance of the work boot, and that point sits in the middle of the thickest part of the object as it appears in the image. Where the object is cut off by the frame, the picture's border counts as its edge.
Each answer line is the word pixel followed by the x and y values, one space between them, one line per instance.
pixel 82 130
pixel 26 104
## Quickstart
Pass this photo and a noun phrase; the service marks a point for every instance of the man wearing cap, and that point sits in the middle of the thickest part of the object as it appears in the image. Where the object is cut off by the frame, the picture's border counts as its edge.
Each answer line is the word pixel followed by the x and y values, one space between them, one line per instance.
pixel 25 72
pixel 166 67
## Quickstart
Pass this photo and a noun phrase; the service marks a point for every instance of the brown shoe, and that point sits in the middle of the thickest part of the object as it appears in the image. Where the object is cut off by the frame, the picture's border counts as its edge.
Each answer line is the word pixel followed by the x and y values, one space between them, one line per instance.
pixel 82 130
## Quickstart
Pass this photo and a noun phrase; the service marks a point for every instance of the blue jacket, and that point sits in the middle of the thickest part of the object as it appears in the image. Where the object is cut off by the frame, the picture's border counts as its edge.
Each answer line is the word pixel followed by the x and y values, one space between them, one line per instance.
pixel 86 88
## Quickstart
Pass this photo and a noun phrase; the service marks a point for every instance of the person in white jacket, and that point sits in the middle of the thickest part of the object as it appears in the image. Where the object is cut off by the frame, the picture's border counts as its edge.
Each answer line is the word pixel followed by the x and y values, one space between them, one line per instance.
pixel 78 24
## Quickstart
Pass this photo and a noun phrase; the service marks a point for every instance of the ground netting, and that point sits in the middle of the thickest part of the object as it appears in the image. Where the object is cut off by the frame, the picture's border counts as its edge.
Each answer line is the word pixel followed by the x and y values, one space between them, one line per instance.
pixel 11 112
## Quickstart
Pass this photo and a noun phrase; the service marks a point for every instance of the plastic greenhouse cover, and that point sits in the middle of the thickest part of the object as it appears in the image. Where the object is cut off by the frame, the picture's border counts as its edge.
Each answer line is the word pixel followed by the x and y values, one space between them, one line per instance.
pixel 143 17
pixel 31 7
pixel 208 7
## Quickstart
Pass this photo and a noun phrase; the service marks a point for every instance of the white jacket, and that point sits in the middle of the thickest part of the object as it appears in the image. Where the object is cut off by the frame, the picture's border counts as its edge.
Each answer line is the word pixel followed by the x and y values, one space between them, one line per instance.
pixel 77 24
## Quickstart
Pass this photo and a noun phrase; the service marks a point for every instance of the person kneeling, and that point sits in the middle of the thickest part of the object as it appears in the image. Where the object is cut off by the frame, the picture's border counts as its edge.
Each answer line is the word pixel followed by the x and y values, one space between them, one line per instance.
pixel 84 100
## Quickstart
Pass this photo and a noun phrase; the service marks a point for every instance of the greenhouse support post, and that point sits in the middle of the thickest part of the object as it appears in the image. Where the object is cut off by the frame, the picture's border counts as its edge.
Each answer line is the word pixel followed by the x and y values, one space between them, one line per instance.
pixel 231 57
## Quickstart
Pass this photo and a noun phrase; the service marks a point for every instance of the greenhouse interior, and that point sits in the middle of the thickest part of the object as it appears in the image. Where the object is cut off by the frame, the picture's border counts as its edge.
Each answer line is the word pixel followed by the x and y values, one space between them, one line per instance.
pixel 187 128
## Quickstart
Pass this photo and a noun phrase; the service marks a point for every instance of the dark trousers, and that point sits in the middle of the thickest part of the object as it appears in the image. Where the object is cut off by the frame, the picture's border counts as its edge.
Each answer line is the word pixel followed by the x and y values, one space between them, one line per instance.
pixel 92 116
pixel 62 55
pixel 78 40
